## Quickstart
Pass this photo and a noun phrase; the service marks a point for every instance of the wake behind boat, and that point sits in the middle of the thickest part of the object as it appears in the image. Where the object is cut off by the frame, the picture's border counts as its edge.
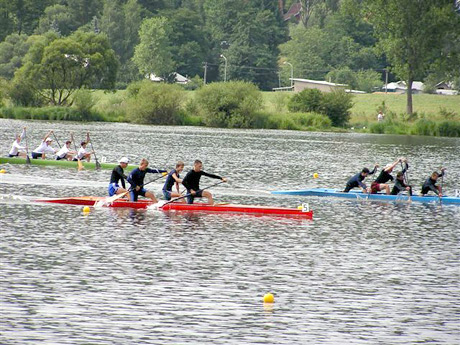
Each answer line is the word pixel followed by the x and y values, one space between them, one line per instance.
pixel 195 207
pixel 359 195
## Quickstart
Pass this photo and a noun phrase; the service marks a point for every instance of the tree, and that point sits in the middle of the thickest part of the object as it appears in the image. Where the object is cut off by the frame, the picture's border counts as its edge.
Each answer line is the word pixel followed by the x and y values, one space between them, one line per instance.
pixel 56 67
pixel 153 53
pixel 413 34
pixel 12 51
pixel 56 17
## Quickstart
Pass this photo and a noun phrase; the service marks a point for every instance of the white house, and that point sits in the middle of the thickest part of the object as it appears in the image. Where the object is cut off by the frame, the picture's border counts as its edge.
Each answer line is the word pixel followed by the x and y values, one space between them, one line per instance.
pixel 400 87
pixel 179 78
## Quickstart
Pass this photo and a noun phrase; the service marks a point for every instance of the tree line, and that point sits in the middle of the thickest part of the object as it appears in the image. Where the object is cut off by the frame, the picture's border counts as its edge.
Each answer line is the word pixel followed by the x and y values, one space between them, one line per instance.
pixel 50 48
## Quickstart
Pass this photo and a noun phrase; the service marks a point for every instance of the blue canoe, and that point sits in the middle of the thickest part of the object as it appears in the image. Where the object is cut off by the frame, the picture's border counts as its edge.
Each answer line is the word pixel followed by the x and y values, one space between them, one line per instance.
pixel 359 195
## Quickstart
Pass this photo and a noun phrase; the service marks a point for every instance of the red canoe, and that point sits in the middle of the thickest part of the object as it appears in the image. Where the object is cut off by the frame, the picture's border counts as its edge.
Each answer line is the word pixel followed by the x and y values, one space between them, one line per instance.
pixel 199 207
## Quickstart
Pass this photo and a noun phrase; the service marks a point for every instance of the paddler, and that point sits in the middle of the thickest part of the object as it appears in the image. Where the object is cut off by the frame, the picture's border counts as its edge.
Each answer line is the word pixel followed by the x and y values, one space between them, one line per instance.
pixel 65 152
pixel 380 182
pixel 136 179
pixel 357 180
pixel 17 150
pixel 400 185
pixel 172 179
pixel 191 181
pixel 82 152
pixel 118 175
pixel 44 148
pixel 430 183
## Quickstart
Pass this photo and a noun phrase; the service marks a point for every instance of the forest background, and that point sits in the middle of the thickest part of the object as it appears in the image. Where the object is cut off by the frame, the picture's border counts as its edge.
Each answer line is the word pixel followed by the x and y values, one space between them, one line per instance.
pixel 54 54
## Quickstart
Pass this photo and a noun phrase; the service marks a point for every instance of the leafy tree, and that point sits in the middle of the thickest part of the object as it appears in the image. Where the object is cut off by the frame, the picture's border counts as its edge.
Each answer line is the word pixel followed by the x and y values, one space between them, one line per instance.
pixel 248 38
pixel 189 38
pixel 12 51
pixel 56 67
pixel 57 17
pixel 412 34
pixel 154 53
pixel 83 11
pixel 337 105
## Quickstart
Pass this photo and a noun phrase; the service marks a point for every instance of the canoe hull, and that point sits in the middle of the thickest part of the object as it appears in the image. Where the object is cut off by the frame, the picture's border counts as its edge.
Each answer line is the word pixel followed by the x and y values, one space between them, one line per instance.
pixel 183 207
pixel 359 195
pixel 60 163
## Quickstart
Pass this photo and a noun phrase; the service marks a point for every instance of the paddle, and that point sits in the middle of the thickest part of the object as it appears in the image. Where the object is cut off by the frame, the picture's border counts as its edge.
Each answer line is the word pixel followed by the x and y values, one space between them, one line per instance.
pixel 27 148
pixel 55 137
pixel 121 195
pixel 98 165
pixel 186 195
pixel 80 164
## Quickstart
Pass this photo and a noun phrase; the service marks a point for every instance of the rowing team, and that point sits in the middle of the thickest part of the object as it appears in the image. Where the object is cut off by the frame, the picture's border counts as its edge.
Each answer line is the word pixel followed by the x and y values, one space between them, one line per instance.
pixel 64 153
pixel 401 182
pixel 191 182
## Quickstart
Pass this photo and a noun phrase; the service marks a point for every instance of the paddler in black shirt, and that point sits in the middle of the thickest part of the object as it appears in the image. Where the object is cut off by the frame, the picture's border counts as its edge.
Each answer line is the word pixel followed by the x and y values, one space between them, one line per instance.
pixel 430 183
pixel 191 181
pixel 118 175
pixel 380 182
pixel 357 180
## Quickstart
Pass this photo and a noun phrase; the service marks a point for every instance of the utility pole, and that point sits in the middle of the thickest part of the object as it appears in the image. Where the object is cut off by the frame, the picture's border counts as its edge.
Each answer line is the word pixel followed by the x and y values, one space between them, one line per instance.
pixel 205 72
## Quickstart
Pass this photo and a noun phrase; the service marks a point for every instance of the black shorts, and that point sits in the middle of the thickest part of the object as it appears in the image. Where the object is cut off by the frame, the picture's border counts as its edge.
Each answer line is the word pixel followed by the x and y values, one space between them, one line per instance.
pixel 190 198
pixel 36 155
pixel 17 154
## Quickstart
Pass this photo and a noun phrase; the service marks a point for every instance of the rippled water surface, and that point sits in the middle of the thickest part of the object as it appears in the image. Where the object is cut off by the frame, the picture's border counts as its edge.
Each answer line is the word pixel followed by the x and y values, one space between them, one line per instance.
pixel 359 273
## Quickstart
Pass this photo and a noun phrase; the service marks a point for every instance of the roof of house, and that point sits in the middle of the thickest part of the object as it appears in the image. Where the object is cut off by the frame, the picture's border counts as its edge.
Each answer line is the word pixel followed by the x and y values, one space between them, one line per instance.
pixel 293 11
pixel 321 82
pixel 416 85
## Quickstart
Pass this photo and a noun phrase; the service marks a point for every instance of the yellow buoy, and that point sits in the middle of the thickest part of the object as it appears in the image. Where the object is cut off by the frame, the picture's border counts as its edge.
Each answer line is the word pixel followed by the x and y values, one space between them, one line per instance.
pixel 315 175
pixel 86 209
pixel 2 171
pixel 299 207
pixel 269 298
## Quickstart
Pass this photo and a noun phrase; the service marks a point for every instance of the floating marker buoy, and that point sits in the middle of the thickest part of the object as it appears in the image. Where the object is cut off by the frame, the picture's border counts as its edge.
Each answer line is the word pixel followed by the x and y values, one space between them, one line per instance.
pixel 315 175
pixel 3 171
pixel 269 298
pixel 299 207
pixel 86 209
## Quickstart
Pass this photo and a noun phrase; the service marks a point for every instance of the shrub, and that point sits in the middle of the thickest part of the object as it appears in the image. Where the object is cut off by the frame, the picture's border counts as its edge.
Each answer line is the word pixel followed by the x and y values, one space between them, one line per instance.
pixel 368 81
pixel 155 103
pixel 21 94
pixel 280 100
pixel 47 113
pixel 425 127
pixel 449 128
pixel 308 100
pixel 229 104
pixel 315 120
pixel 84 101
pixel 337 105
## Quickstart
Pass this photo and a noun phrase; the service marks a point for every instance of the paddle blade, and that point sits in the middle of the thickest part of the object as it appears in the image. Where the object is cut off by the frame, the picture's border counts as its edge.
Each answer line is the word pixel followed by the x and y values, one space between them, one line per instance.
pixel 98 165
pixel 80 165
pixel 27 159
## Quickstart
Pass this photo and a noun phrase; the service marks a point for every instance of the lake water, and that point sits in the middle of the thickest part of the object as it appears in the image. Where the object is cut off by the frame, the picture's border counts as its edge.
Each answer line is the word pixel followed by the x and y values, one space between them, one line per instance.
pixel 359 273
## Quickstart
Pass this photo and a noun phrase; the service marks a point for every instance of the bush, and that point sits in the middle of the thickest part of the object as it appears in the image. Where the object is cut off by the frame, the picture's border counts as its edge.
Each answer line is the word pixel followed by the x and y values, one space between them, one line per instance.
pixel 368 81
pixel 229 104
pixel 337 105
pixel 280 100
pixel 449 129
pixel 84 101
pixel 293 121
pixel 425 127
pixel 154 103
pixel 47 113
pixel 307 100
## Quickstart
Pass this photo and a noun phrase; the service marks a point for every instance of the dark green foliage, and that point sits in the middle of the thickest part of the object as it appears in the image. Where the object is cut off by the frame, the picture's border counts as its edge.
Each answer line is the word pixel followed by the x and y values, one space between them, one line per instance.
pixel 22 94
pixel 155 103
pixel 449 128
pixel 425 127
pixel 308 100
pixel 292 121
pixel 337 105
pixel 231 104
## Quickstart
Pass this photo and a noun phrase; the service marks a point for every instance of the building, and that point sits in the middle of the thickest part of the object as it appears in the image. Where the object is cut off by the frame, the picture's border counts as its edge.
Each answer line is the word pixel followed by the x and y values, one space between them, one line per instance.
pixel 400 87
pixel 179 78
pixel 324 86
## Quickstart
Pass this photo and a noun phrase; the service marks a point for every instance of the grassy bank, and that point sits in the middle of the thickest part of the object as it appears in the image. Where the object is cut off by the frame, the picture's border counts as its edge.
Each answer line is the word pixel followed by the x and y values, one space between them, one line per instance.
pixel 434 114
